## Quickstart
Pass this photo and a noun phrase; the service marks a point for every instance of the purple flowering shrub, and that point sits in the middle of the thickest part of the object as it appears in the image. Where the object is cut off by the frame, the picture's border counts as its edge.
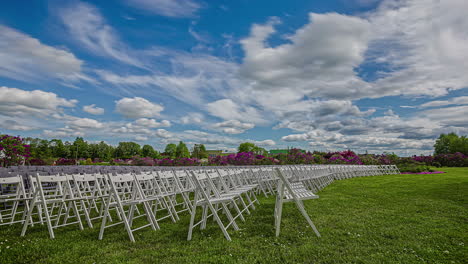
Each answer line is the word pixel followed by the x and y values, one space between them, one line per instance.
pixel 166 162
pixel 186 162
pixel 37 162
pixel 13 151
pixel 63 161
pixel 344 157
pixel 140 161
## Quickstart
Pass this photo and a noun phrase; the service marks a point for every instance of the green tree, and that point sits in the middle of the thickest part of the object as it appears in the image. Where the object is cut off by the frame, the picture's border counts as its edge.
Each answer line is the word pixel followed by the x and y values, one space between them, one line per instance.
pixel 182 150
pixel 148 151
pixel 105 151
pixel 58 149
pixel 199 151
pixel 126 150
pixel 80 149
pixel 246 147
pixel 170 150
pixel 251 147
pixel 451 143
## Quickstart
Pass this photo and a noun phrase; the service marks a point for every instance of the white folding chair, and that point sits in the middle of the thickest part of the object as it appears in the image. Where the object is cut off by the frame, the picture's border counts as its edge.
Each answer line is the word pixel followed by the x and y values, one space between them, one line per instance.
pixel 208 197
pixel 53 197
pixel 124 192
pixel 288 192
pixel 12 194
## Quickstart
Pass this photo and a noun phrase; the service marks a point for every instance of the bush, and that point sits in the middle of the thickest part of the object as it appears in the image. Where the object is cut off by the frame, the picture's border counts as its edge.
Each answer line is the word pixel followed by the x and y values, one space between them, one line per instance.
pixel 37 162
pixel 63 161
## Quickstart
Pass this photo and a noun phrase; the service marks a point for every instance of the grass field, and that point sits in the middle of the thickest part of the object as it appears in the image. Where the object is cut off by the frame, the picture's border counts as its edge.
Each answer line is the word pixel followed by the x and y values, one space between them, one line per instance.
pixel 382 219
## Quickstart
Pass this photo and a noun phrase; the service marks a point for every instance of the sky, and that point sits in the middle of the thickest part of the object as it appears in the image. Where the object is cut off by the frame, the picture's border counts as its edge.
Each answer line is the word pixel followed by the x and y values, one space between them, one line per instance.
pixel 366 75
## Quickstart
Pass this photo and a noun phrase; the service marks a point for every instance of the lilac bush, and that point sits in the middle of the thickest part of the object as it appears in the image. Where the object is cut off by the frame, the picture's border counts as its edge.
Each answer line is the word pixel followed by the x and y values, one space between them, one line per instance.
pixel 63 161
pixel 13 151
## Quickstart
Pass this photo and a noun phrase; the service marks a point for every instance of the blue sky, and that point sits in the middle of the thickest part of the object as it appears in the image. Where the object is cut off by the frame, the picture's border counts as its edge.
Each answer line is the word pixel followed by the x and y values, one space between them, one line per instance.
pixel 321 75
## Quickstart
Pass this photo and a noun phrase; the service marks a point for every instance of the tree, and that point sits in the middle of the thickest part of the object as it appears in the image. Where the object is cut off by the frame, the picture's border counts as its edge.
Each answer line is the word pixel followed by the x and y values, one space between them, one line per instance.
pixel 58 149
pixel 182 150
pixel 148 151
pixel 126 150
pixel 251 147
pixel 104 151
pixel 451 143
pixel 170 150
pixel 39 148
pixel 246 147
pixel 12 150
pixel 80 149
pixel 199 151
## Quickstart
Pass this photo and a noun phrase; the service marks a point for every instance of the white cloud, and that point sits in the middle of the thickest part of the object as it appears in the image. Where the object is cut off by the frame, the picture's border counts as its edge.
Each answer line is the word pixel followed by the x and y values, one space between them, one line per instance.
pixel 145 122
pixel 267 142
pixel 137 107
pixel 192 77
pixel 462 100
pixel 13 125
pixel 141 138
pixel 92 109
pixel 87 26
pixel 192 118
pixel 229 110
pixel 170 8
pixel 85 123
pixel 318 59
pixel 234 126
pixel 424 45
pixel 162 133
pixel 450 116
pixel 17 102
pixel 23 57
pixel 62 133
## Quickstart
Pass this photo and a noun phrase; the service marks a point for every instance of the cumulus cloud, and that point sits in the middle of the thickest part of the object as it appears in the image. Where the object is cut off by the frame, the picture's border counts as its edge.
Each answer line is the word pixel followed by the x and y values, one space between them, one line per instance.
pixel 319 58
pixel 462 100
pixel 229 110
pixel 192 118
pixel 92 109
pixel 422 46
pixel 85 123
pixel 146 122
pixel 162 133
pixel 266 142
pixel 234 126
pixel 170 8
pixel 141 138
pixel 17 102
pixel 14 125
pixel 64 132
pixel 25 58
pixel 137 107
pixel 451 116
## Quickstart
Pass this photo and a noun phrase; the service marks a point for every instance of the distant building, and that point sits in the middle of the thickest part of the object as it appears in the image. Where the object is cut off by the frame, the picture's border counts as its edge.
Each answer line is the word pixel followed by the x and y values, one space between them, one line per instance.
pixel 278 151
pixel 282 151
pixel 213 153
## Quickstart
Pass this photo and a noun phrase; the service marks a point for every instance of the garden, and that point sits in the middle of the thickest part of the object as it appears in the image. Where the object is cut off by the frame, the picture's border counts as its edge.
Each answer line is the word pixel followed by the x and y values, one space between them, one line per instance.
pixel 449 151
pixel 413 217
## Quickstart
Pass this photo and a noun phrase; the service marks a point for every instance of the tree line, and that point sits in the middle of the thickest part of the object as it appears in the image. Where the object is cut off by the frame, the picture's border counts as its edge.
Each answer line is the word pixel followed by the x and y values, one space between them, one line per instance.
pixel 81 149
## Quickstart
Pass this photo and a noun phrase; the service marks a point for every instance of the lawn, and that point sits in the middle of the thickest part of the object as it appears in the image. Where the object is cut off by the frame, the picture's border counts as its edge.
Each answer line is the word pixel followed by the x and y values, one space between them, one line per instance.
pixel 381 219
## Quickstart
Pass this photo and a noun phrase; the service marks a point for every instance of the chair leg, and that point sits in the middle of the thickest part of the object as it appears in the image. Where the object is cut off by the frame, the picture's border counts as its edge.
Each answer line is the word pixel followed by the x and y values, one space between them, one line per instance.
pixel 192 218
pixel 306 216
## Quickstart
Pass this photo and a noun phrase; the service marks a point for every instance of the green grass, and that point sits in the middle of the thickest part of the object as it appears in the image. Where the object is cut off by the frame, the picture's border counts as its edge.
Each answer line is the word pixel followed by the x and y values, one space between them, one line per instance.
pixel 382 219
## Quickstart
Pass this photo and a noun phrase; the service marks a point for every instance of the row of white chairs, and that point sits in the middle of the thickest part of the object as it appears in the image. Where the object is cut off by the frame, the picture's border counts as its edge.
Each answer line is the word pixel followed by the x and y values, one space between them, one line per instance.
pixel 226 194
